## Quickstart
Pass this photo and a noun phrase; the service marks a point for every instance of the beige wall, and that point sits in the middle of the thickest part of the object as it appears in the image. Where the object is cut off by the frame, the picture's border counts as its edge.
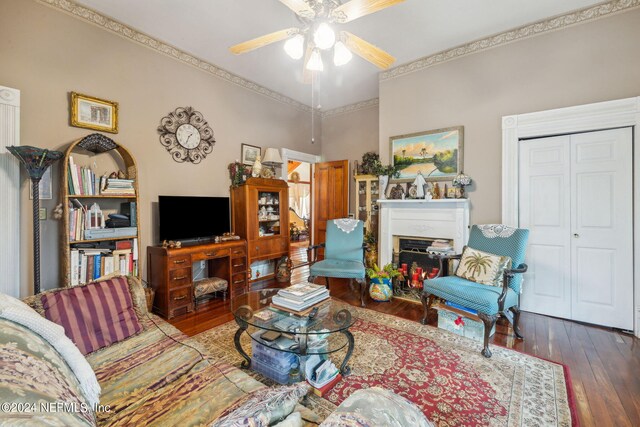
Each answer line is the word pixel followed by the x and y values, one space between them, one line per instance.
pixel 592 62
pixel 46 54
pixel 349 136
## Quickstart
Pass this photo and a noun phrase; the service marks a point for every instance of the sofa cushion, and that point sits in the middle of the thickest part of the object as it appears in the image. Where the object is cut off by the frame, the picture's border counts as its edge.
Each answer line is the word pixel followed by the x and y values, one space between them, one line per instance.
pixel 470 294
pixel 482 267
pixel 94 316
pixel 376 407
pixel 264 407
pixel 160 377
pixel 33 373
pixel 18 312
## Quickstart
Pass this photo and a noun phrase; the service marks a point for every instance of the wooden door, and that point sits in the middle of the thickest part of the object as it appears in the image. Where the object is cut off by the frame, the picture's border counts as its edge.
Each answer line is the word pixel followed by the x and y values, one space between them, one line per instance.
pixel 602 228
pixel 330 197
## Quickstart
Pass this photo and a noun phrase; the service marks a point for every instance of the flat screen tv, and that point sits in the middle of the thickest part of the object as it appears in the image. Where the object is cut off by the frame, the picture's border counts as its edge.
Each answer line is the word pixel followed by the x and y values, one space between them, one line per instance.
pixel 193 218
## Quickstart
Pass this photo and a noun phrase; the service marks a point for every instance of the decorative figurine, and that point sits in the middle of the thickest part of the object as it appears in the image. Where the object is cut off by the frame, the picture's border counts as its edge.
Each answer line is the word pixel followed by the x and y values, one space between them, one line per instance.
pixel 257 167
pixel 420 182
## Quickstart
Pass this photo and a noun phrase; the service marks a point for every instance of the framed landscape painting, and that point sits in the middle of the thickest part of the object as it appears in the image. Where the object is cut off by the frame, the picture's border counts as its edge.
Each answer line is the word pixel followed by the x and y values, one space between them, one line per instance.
pixel 435 153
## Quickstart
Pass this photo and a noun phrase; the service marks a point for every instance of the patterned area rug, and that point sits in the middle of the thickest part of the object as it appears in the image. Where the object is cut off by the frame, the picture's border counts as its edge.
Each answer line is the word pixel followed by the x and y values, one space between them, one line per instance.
pixel 444 374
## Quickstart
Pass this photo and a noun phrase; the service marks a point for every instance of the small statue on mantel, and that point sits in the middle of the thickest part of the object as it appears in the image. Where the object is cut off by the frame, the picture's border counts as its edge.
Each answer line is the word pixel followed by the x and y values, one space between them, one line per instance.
pixel 436 191
pixel 419 182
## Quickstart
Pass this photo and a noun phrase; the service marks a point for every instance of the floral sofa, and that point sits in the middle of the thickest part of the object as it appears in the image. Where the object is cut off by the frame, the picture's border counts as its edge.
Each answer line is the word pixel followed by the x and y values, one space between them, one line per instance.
pixel 155 376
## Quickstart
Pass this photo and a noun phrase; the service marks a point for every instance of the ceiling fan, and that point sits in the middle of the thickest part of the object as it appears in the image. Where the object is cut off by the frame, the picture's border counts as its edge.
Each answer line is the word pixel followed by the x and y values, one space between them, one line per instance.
pixel 318 17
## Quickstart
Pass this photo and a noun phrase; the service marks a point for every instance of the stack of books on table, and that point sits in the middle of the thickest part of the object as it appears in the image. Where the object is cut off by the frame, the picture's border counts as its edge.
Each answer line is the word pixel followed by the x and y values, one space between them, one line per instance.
pixel 300 297
pixel 440 247
pixel 118 187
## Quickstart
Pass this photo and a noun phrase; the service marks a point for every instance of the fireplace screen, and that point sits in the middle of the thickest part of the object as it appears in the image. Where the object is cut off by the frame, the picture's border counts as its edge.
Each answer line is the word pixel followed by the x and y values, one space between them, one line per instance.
pixel 411 255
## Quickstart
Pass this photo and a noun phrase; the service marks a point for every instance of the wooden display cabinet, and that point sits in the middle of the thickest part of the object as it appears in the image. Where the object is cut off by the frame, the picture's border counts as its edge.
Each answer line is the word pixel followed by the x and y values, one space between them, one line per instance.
pixel 260 214
pixel 367 194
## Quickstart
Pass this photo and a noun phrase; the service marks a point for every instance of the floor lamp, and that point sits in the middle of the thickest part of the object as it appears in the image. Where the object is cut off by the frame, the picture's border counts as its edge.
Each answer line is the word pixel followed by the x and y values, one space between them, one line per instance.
pixel 36 160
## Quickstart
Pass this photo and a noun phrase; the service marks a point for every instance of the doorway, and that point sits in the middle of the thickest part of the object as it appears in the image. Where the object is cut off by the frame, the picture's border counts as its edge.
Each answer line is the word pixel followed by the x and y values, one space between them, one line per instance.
pixel 574 199
pixel 300 210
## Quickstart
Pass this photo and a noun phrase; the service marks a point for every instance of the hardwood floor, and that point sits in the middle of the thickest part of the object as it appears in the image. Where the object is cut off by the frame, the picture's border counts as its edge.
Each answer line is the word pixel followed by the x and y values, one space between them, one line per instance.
pixel 604 364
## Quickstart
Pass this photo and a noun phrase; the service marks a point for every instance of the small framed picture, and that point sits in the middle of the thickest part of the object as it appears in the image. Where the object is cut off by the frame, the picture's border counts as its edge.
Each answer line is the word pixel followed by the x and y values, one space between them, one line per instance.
pixel 249 154
pixel 452 193
pixel 94 113
pixel 44 187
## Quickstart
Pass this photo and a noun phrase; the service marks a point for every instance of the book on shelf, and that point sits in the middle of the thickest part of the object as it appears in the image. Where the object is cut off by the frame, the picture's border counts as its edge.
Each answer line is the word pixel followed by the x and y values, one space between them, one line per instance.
pixel 83 181
pixel 88 264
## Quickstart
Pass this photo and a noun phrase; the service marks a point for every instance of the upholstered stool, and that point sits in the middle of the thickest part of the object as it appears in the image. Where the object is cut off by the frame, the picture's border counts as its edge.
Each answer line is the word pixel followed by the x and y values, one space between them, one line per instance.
pixel 210 285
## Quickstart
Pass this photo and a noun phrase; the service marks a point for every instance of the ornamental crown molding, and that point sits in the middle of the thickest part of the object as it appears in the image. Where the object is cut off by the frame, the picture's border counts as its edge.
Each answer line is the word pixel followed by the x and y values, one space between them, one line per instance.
pixel 351 108
pixel 541 27
pixel 88 15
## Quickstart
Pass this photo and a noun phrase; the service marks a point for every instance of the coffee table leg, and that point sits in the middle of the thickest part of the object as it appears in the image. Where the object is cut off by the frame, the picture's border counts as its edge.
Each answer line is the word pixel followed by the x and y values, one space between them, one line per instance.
pixel 246 363
pixel 344 368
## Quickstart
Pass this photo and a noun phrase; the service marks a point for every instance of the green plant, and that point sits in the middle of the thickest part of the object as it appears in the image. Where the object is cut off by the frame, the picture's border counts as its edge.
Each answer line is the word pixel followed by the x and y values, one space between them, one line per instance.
pixel 370 161
pixel 393 171
pixel 387 272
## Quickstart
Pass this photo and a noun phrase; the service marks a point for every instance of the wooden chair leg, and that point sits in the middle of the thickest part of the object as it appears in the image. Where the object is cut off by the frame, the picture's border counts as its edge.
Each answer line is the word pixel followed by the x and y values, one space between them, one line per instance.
pixel 363 291
pixel 516 321
pixel 489 322
pixel 327 280
pixel 311 279
pixel 427 301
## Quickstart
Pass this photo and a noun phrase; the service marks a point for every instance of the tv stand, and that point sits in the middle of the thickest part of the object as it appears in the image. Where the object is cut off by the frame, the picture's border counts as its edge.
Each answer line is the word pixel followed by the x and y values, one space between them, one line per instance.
pixel 169 271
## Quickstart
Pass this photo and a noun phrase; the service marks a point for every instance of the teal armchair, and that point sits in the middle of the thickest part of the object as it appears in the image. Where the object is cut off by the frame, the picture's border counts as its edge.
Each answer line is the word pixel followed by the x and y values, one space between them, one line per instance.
pixel 343 254
pixel 489 301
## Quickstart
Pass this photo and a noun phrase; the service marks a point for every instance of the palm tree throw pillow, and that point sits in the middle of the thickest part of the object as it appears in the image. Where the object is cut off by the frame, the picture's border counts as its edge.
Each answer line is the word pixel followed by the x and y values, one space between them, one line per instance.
pixel 482 267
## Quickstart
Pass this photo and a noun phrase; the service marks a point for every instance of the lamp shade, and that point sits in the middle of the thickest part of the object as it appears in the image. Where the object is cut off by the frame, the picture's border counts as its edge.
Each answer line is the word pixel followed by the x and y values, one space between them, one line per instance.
pixel 295 46
pixel 272 157
pixel 315 61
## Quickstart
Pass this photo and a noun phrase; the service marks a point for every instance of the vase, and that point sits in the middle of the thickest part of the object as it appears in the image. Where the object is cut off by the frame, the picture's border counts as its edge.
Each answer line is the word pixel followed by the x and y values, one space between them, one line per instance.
pixel 383 181
pixel 381 289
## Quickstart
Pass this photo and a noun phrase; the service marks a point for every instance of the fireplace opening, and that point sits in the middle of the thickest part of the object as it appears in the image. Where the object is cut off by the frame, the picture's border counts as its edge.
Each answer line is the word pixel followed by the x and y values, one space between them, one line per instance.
pixel 411 256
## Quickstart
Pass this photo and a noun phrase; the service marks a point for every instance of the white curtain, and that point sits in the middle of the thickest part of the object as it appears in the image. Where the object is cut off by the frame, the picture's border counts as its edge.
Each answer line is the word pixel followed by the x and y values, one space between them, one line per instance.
pixel 300 199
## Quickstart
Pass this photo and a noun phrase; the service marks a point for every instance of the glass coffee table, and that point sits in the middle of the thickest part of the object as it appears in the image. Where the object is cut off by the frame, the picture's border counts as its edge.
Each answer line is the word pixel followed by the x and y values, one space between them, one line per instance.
pixel 327 332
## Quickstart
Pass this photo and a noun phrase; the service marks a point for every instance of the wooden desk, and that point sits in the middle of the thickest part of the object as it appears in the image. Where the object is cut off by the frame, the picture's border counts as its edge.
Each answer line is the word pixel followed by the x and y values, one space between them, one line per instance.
pixel 169 271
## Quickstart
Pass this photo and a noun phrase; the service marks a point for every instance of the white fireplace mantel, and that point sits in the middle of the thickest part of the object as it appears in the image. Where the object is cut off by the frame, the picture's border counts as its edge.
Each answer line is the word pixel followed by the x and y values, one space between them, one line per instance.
pixel 439 219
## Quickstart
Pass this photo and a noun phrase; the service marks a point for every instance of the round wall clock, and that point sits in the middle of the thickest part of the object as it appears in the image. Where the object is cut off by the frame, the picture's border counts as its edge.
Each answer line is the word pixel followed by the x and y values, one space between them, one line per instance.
pixel 186 135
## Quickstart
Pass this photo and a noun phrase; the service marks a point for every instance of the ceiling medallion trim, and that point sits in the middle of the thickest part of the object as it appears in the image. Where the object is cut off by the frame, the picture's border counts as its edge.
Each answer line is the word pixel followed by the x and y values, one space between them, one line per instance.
pixel 110 24
pixel 351 108
pixel 552 24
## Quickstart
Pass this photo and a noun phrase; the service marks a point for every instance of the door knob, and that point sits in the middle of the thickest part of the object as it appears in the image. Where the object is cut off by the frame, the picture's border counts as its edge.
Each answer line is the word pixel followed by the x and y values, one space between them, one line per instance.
pixel 576 235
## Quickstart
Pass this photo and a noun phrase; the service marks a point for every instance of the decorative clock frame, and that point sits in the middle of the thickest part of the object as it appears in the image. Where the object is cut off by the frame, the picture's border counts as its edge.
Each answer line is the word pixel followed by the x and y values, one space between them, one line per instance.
pixel 182 150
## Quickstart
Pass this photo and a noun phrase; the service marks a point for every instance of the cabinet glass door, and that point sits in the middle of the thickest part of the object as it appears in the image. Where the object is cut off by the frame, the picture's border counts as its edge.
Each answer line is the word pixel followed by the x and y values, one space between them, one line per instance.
pixel 269 213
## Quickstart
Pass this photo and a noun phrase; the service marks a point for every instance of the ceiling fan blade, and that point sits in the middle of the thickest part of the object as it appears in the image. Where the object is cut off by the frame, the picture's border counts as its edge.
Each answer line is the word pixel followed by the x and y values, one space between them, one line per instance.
pixel 355 9
pixel 307 75
pixel 262 41
pixel 367 51
pixel 300 7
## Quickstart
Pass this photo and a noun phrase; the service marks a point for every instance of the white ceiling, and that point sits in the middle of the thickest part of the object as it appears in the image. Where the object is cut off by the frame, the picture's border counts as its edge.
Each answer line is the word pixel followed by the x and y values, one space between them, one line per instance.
pixel 408 31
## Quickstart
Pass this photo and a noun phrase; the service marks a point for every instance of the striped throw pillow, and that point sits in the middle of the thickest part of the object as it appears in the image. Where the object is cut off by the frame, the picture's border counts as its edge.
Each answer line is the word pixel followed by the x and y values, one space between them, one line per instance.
pixel 94 316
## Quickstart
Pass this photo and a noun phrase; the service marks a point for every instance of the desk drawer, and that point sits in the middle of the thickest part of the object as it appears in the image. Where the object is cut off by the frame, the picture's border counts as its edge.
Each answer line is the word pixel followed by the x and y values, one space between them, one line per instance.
pixel 179 261
pixel 209 254
pixel 238 252
pixel 239 265
pixel 180 297
pixel 239 280
pixel 179 277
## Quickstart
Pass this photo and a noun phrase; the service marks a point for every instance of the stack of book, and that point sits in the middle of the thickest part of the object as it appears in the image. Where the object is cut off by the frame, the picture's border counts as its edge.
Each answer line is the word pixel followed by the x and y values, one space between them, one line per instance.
pixel 119 187
pixel 300 297
pixel 82 181
pixel 440 247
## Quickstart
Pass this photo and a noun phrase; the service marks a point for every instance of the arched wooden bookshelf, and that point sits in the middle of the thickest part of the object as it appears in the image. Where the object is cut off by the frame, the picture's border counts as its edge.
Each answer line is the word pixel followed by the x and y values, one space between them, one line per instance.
pixel 102 155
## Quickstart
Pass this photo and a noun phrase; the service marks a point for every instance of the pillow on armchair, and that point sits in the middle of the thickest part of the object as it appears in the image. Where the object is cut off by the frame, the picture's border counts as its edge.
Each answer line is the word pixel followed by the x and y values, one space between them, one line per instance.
pixel 482 267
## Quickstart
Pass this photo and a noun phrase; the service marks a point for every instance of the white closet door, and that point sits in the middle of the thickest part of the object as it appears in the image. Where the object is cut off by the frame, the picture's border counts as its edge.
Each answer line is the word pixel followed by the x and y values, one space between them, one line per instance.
pixel 576 200
pixel 545 182
pixel 602 221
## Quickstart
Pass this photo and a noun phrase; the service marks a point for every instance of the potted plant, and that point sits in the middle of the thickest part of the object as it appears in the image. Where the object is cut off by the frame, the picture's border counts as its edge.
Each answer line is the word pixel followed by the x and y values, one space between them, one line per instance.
pixel 381 288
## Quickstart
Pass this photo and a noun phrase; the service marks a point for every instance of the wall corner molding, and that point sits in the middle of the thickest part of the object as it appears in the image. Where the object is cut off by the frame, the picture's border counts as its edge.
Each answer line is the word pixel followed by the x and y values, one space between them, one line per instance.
pixel 109 24
pixel 556 23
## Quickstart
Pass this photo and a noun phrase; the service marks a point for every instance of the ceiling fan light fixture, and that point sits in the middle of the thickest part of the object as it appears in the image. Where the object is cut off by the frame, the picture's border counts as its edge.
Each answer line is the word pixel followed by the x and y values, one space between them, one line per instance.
pixel 324 36
pixel 315 61
pixel 341 55
pixel 295 46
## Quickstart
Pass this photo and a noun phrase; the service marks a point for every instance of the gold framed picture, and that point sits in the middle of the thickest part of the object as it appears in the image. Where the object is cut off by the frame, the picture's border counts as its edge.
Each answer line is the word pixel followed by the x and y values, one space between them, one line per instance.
pixel 94 113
